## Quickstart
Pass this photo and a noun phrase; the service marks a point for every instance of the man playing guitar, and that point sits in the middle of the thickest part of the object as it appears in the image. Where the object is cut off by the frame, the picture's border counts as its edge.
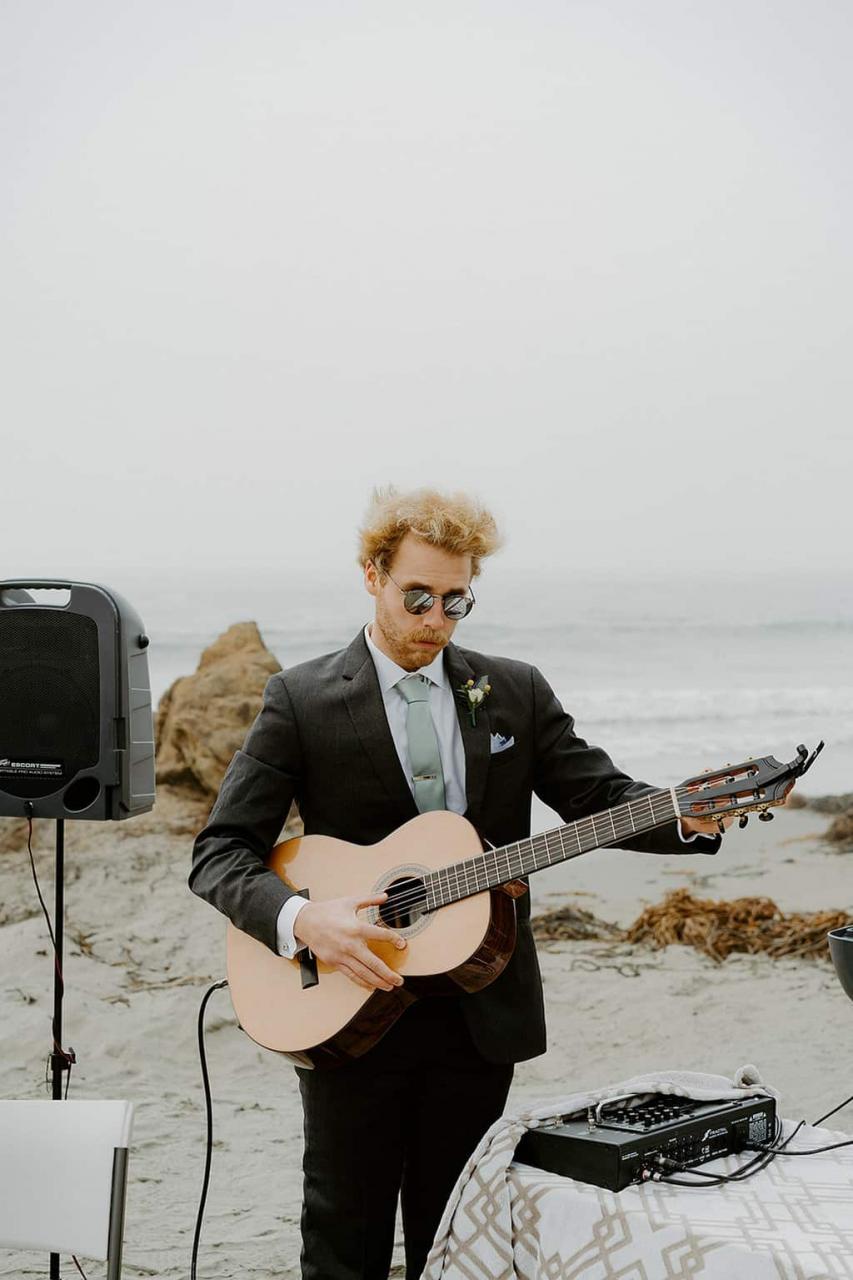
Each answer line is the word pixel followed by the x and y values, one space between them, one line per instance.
pixel 398 723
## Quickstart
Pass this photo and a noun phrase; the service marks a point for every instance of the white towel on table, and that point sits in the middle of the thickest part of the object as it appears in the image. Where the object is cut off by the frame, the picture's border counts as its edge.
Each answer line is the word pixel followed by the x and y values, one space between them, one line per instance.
pixel 475 1235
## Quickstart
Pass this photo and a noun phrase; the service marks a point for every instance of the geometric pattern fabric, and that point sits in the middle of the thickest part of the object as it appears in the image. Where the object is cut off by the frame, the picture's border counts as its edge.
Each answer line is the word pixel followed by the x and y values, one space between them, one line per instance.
pixel 791 1221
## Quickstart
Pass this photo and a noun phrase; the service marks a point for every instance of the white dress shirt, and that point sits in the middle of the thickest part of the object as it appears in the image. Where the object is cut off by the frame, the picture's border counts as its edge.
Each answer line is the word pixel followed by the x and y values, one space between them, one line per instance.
pixel 451 750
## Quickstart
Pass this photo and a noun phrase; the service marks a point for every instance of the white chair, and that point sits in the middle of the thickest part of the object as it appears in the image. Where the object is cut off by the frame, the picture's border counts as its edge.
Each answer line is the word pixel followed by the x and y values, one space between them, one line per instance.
pixel 63 1175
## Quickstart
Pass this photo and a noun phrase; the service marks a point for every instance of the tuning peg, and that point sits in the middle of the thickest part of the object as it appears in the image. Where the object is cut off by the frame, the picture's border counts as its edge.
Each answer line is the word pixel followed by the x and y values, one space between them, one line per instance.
pixel 743 820
pixel 765 816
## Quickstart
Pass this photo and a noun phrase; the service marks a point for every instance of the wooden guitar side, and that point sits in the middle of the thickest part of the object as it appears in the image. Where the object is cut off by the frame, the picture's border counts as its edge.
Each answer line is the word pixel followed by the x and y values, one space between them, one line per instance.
pixel 460 947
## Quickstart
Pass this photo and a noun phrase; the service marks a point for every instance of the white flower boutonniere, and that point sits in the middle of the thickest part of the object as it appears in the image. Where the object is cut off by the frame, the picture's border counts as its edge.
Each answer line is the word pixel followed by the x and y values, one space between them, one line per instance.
pixel 473 695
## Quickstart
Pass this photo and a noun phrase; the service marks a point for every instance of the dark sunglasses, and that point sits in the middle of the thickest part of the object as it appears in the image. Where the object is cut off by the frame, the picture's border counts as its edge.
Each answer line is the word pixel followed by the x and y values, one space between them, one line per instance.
pixel 417 600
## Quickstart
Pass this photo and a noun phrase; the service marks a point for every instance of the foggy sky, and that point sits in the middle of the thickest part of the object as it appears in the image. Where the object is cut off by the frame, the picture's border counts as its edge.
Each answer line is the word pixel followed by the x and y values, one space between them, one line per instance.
pixel 589 261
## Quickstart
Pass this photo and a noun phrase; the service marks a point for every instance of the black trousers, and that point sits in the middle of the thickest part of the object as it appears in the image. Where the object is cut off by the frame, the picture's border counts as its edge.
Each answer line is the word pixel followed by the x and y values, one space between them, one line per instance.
pixel 400 1121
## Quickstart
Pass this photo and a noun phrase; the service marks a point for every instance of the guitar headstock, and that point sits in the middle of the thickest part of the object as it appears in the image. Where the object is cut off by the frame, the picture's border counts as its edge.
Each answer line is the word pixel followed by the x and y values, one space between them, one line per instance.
pixel 739 789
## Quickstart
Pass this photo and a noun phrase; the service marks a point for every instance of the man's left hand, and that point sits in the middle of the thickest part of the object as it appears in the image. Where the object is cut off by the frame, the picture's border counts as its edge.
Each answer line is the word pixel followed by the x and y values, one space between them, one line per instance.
pixel 704 826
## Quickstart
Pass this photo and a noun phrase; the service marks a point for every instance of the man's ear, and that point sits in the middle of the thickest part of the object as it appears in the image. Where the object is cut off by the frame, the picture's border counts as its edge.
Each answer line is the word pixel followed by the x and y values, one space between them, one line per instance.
pixel 371 578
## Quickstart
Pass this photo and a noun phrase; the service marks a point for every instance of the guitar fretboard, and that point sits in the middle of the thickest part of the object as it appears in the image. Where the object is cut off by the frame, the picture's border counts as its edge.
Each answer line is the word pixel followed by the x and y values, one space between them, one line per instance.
pixel 495 867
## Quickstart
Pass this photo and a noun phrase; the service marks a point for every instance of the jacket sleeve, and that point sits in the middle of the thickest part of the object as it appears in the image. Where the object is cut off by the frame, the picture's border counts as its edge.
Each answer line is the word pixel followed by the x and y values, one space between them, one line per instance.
pixel 229 854
pixel 577 779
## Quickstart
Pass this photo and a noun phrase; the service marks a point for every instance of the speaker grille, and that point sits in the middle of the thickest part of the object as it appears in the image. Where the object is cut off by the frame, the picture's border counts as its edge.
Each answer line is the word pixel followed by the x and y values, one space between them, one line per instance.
pixel 49 695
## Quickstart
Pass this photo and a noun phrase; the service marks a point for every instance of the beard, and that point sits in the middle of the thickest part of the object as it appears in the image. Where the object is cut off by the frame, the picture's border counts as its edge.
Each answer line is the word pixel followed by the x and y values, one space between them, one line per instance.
pixel 403 643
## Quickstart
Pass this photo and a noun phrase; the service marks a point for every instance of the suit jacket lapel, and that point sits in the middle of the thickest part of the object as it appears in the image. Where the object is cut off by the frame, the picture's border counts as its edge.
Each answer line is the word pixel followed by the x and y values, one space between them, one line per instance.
pixel 475 738
pixel 367 711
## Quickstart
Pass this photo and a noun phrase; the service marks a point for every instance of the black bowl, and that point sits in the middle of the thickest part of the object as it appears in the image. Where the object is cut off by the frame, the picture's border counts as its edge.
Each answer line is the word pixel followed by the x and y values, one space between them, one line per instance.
pixel 841 950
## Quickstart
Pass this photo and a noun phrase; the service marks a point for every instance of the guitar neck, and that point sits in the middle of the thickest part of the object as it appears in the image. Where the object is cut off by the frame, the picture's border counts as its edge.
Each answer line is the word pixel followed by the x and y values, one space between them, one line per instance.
pixel 495 867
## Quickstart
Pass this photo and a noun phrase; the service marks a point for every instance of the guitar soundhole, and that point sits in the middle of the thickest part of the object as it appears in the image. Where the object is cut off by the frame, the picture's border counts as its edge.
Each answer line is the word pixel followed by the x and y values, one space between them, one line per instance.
pixel 406 902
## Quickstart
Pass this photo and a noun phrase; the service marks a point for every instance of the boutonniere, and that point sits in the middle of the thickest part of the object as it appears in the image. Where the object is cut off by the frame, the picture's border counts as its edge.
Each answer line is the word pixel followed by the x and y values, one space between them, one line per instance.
pixel 473 695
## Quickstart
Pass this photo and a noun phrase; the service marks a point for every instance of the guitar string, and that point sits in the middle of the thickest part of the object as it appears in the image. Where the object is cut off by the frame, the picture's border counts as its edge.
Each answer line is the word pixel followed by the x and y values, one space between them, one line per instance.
pixel 538 844
pixel 544 844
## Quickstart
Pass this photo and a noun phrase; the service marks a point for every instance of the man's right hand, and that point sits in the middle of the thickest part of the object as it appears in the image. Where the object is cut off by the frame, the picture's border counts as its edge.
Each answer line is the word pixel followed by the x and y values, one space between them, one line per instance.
pixel 336 936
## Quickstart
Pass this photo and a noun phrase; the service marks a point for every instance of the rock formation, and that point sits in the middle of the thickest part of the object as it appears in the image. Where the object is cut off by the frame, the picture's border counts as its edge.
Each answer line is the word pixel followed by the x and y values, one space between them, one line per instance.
pixel 202 719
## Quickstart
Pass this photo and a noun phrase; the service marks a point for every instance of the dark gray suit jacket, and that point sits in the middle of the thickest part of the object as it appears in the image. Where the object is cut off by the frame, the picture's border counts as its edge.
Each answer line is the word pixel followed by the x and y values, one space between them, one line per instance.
pixel 322 737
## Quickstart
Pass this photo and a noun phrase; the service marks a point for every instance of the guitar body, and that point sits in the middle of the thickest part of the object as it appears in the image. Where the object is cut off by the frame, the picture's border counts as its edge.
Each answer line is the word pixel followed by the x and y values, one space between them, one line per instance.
pixel 317 1016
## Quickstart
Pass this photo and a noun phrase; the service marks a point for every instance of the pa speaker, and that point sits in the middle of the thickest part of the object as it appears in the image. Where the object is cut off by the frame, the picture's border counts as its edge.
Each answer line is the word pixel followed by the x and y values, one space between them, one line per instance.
pixel 76 723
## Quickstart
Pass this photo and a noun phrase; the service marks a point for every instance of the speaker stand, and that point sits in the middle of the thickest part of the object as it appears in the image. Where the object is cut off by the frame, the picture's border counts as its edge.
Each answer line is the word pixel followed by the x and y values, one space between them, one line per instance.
pixel 60 1062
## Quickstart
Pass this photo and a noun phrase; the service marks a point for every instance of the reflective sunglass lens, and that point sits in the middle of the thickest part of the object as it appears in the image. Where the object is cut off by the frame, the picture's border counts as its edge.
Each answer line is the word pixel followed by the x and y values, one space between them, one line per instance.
pixel 457 607
pixel 417 601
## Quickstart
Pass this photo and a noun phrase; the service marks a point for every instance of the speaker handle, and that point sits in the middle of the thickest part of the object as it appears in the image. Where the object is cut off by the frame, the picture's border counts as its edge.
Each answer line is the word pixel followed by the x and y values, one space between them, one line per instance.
pixel 10 588
pixel 22 583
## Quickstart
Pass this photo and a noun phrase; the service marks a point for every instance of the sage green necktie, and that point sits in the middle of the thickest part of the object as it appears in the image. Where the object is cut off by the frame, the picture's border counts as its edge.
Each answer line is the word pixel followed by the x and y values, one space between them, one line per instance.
pixel 424 755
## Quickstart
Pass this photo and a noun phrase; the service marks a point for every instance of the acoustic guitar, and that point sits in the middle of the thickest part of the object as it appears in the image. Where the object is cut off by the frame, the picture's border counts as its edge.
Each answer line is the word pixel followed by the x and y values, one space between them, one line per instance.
pixel 451 899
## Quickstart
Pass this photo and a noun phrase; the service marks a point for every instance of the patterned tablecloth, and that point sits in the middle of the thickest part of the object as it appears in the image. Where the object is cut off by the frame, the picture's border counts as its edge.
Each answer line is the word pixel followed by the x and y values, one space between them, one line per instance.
pixel 791 1221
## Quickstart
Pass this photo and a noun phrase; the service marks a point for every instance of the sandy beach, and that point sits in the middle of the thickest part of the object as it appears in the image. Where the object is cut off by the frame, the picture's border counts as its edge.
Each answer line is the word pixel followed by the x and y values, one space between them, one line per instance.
pixel 318 316
pixel 141 950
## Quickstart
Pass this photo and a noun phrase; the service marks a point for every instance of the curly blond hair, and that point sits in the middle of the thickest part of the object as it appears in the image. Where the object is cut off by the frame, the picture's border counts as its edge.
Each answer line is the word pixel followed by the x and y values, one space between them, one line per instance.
pixel 454 522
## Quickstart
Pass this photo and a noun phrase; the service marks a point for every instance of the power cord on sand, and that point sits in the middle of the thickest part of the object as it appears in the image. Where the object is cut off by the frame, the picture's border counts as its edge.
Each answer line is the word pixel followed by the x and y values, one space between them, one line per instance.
pixel 209 1109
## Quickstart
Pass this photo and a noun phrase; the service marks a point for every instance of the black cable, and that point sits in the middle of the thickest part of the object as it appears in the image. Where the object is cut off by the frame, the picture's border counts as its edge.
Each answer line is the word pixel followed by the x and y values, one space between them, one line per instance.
pixel 768 1152
pixel 715 1179
pixel 38 889
pixel 760 1161
pixel 821 1119
pixel 748 1170
pixel 209 1108
pixel 812 1151
pixel 776 1146
pixel 56 1047
pixel 67 1057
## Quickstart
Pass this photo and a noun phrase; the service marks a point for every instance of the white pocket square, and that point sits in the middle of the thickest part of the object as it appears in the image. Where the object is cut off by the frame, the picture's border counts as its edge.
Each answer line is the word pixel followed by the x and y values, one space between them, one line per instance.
pixel 499 743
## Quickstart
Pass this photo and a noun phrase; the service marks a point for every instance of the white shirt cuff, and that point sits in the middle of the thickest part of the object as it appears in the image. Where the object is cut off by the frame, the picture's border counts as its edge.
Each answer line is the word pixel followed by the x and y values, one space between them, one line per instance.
pixel 286 942
pixel 697 835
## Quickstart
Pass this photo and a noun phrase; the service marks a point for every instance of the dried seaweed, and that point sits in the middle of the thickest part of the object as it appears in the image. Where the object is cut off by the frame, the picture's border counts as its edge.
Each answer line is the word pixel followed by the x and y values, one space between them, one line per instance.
pixel 840 830
pixel 574 924
pixel 750 925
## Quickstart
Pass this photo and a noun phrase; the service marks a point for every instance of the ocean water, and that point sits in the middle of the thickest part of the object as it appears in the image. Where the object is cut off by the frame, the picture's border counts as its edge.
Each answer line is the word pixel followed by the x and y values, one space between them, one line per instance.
pixel 670 675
